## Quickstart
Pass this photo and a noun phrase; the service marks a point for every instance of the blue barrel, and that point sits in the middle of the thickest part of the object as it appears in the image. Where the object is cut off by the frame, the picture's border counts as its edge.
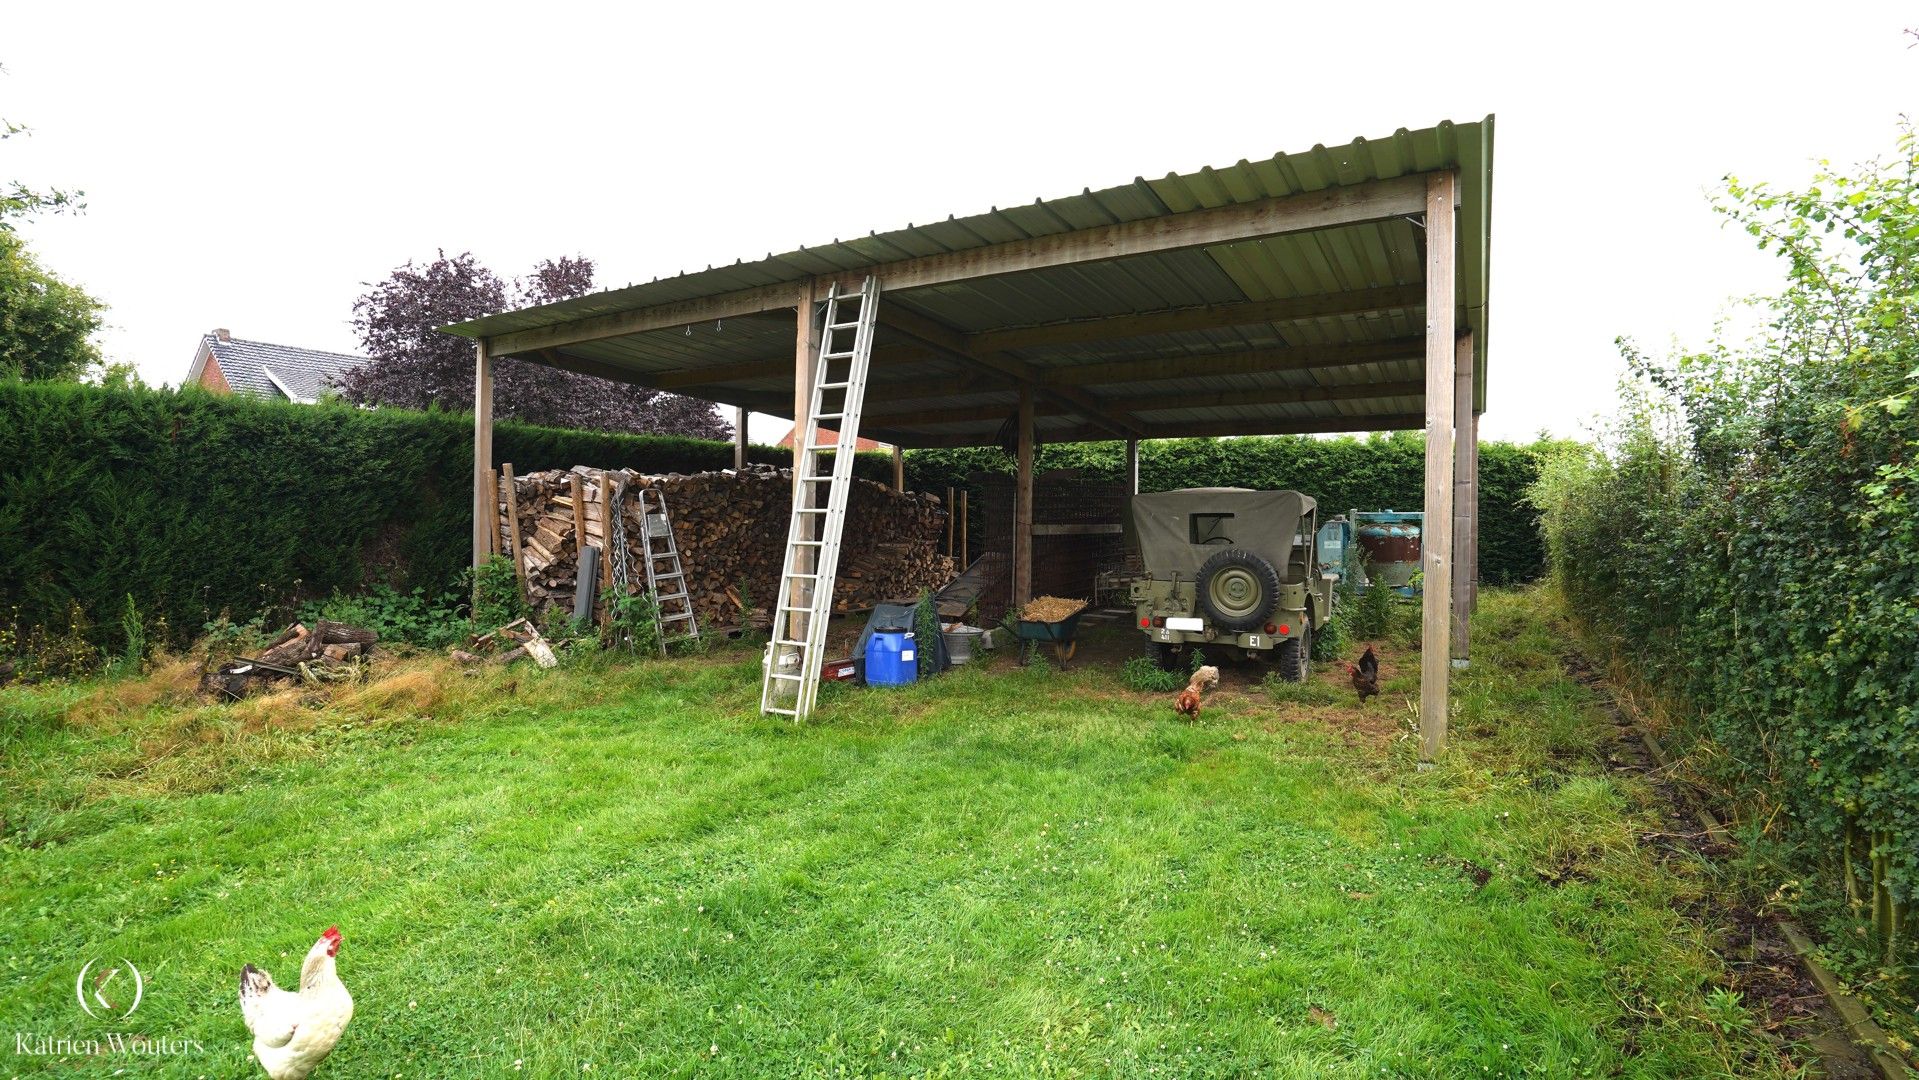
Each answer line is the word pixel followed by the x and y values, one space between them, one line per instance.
pixel 890 660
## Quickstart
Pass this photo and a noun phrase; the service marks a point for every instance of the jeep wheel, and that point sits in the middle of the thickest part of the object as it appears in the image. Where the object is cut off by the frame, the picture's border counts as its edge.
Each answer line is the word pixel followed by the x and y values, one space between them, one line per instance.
pixel 1163 656
pixel 1295 656
pixel 1237 590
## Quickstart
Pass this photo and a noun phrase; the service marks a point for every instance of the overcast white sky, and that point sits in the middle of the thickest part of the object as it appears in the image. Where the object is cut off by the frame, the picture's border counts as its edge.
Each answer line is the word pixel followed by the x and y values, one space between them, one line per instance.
pixel 252 165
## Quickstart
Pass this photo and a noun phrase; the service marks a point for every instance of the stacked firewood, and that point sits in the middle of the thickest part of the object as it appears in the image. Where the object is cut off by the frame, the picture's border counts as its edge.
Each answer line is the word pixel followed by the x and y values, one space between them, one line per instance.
pixel 731 531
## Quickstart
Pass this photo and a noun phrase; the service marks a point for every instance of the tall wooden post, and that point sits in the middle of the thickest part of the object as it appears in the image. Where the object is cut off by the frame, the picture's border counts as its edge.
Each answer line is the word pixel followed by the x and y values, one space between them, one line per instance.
pixel 1464 498
pixel 899 469
pixel 739 439
pixel 1132 466
pixel 1023 504
pixel 1472 535
pixel 486 510
pixel 951 511
pixel 806 559
pixel 1437 535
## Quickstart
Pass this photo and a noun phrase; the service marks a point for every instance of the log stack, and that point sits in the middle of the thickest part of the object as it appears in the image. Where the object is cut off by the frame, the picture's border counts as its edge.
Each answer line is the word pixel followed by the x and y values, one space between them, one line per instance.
pixel 731 531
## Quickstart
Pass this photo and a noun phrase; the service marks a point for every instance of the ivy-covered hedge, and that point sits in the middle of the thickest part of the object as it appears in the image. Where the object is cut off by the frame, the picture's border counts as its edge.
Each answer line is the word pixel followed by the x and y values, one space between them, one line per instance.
pixel 1747 541
pixel 1377 473
pixel 195 503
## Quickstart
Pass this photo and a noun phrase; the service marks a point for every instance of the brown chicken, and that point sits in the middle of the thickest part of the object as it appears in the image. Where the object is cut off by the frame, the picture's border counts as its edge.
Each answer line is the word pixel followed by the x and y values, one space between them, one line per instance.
pixel 1365 675
pixel 1187 703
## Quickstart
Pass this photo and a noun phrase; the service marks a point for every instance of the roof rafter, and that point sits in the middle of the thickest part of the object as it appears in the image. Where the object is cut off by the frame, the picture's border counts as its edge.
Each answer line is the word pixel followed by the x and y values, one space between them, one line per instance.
pixel 1205 317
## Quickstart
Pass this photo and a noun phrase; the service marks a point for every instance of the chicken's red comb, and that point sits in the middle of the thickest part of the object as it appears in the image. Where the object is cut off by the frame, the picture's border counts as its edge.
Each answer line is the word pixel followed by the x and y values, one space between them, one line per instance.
pixel 331 933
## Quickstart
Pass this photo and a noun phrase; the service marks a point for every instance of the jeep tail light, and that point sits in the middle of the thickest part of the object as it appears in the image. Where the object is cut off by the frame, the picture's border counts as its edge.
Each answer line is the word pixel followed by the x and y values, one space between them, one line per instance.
pixel 1285 629
pixel 1271 629
pixel 1144 622
pixel 1159 620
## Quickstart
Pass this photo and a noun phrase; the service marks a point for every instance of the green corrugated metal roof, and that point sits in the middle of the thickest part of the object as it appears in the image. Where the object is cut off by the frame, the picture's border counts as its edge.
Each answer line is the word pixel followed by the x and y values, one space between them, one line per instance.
pixel 1331 261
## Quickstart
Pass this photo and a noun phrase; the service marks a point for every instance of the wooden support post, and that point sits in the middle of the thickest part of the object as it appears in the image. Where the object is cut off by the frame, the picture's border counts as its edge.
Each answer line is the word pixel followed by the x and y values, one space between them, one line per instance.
pixel 806 358
pixel 965 552
pixel 486 514
pixel 579 514
pixel 899 469
pixel 1472 534
pixel 1464 498
pixel 950 509
pixel 1132 466
pixel 507 492
pixel 1437 535
pixel 1023 504
pixel 739 439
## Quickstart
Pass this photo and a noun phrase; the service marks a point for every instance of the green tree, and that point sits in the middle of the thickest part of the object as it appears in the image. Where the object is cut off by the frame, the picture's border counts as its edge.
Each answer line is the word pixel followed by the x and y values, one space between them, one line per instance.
pixel 46 324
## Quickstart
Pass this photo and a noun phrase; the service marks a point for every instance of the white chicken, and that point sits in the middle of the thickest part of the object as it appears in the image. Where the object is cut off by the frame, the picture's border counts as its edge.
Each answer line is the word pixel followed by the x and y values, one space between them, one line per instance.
pixel 293 1033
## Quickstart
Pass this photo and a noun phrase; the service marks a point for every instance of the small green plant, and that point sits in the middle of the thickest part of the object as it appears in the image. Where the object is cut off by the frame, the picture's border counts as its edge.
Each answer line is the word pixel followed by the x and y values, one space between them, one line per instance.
pixel 497 599
pixel 134 629
pixel 1196 661
pixel 1371 615
pixel 1144 676
pixel 417 617
pixel 926 629
pixel 1329 641
pixel 635 624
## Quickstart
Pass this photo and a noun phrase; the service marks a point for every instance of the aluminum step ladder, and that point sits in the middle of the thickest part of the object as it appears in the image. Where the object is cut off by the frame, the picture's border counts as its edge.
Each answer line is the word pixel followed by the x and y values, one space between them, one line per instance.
pixel 672 605
pixel 805 600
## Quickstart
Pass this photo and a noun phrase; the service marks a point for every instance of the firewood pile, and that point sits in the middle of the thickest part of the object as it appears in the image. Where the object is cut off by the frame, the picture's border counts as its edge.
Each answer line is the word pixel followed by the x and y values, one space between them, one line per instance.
pixel 731 531
pixel 327 652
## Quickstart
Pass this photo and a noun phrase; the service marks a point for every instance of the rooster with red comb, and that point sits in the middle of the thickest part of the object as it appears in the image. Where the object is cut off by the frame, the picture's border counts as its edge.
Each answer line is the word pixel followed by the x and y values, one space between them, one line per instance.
pixel 294 1032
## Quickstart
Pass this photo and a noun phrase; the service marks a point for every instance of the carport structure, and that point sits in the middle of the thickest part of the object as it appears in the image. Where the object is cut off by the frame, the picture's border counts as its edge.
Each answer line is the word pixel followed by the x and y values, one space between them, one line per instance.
pixel 1339 289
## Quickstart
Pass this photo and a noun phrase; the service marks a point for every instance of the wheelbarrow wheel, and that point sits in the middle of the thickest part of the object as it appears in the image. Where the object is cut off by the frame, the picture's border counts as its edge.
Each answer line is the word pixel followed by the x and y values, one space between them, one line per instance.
pixel 1064 651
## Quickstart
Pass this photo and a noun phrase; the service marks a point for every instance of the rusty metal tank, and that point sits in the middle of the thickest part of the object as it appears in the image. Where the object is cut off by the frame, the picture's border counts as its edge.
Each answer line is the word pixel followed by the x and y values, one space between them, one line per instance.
pixel 1391 541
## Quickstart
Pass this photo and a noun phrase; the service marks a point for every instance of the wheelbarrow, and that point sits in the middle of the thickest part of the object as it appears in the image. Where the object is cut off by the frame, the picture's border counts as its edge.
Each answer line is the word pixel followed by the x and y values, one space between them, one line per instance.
pixel 1059 635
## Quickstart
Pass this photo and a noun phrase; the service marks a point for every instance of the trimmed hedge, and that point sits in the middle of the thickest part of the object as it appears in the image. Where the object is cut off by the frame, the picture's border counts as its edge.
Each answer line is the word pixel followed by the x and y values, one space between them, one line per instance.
pixel 195 503
pixel 1375 473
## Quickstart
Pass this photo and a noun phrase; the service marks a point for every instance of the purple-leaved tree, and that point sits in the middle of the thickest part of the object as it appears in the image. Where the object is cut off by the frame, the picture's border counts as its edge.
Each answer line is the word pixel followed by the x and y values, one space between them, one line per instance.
pixel 415 366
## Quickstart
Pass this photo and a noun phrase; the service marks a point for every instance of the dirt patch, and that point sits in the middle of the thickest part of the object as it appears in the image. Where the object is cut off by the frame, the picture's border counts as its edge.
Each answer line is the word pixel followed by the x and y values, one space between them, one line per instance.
pixel 1761 965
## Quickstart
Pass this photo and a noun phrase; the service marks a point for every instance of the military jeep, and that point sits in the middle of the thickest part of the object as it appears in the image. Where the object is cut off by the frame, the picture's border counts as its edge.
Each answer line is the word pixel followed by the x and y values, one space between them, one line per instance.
pixel 1232 571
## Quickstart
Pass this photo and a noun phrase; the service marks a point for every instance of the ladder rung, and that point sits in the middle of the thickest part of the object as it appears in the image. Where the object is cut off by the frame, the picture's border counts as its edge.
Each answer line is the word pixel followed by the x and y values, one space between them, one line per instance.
pixel 796 573
pixel 675 618
pixel 784 641
pixel 663 577
pixel 784 675
pixel 829 416
pixel 811 543
pixel 810 509
pixel 835 385
pixel 815 480
pixel 783 712
pixel 843 325
pixel 847 355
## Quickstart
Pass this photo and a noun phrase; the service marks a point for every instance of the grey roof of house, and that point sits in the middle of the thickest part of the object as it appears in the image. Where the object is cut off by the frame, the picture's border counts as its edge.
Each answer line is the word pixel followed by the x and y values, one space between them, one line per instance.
pixel 278 371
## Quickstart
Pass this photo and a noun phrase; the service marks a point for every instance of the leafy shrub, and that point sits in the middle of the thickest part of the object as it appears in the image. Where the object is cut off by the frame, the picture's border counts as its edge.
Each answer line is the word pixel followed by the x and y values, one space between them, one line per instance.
pixel 497 599
pixel 1746 537
pixel 183 499
pixel 416 617
pixel 1144 676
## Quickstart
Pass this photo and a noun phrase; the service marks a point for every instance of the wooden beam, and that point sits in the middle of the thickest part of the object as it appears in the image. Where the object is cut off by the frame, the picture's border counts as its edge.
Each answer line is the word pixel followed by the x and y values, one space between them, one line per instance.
pixel 1464 498
pixel 1278 395
pixel 1206 317
pixel 1351 204
pixel 1023 505
pixel 509 492
pixel 1192 429
pixel 582 365
pixel 951 342
pixel 899 468
pixel 1472 534
pixel 804 559
pixel 1248 362
pixel 486 513
pixel 1132 466
pixel 739 438
pixel 1436 536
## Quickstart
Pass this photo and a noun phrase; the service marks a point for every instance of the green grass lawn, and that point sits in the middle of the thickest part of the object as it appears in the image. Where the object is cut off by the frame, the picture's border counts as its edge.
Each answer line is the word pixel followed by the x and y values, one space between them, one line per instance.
pixel 624 871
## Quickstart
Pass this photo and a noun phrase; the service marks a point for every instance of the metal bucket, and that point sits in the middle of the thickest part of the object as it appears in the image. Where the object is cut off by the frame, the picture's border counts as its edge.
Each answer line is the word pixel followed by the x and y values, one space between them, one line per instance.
pixel 961 641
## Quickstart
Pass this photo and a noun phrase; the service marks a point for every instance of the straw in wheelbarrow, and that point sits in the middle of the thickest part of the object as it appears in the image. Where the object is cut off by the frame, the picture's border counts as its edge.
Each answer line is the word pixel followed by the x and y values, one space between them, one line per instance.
pixel 1051 609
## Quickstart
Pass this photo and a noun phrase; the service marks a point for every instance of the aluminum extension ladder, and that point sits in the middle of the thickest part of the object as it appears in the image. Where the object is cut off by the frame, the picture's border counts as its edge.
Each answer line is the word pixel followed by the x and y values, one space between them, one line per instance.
pixel 805 599
pixel 668 586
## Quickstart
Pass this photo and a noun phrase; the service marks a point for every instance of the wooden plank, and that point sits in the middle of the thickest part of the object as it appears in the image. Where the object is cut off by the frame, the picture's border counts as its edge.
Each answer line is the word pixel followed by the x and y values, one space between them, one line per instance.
pixel 1206 317
pixel 739 439
pixel 508 491
pixel 1464 498
pixel 964 561
pixel 485 513
pixel 1437 535
pixel 579 513
pixel 1191 429
pixel 1472 535
pixel 607 510
pixel 899 468
pixel 1248 362
pixel 1132 466
pixel 1374 200
pixel 1023 505
pixel 949 523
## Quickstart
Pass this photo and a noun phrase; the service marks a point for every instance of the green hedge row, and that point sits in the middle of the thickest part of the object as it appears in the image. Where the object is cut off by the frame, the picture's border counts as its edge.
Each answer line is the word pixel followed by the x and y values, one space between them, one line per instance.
pixel 1381 472
pixel 195 503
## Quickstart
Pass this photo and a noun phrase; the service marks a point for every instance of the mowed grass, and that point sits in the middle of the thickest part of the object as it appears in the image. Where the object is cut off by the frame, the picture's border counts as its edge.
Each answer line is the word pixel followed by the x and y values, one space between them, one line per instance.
pixel 624 871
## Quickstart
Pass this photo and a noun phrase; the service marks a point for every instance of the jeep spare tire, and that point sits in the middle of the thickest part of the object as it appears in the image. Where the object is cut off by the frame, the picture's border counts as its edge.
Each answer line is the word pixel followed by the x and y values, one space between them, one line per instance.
pixel 1237 590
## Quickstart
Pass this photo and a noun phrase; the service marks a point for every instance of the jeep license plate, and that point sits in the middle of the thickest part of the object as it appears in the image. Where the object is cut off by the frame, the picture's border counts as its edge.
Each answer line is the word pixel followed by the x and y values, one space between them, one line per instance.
pixel 1180 622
